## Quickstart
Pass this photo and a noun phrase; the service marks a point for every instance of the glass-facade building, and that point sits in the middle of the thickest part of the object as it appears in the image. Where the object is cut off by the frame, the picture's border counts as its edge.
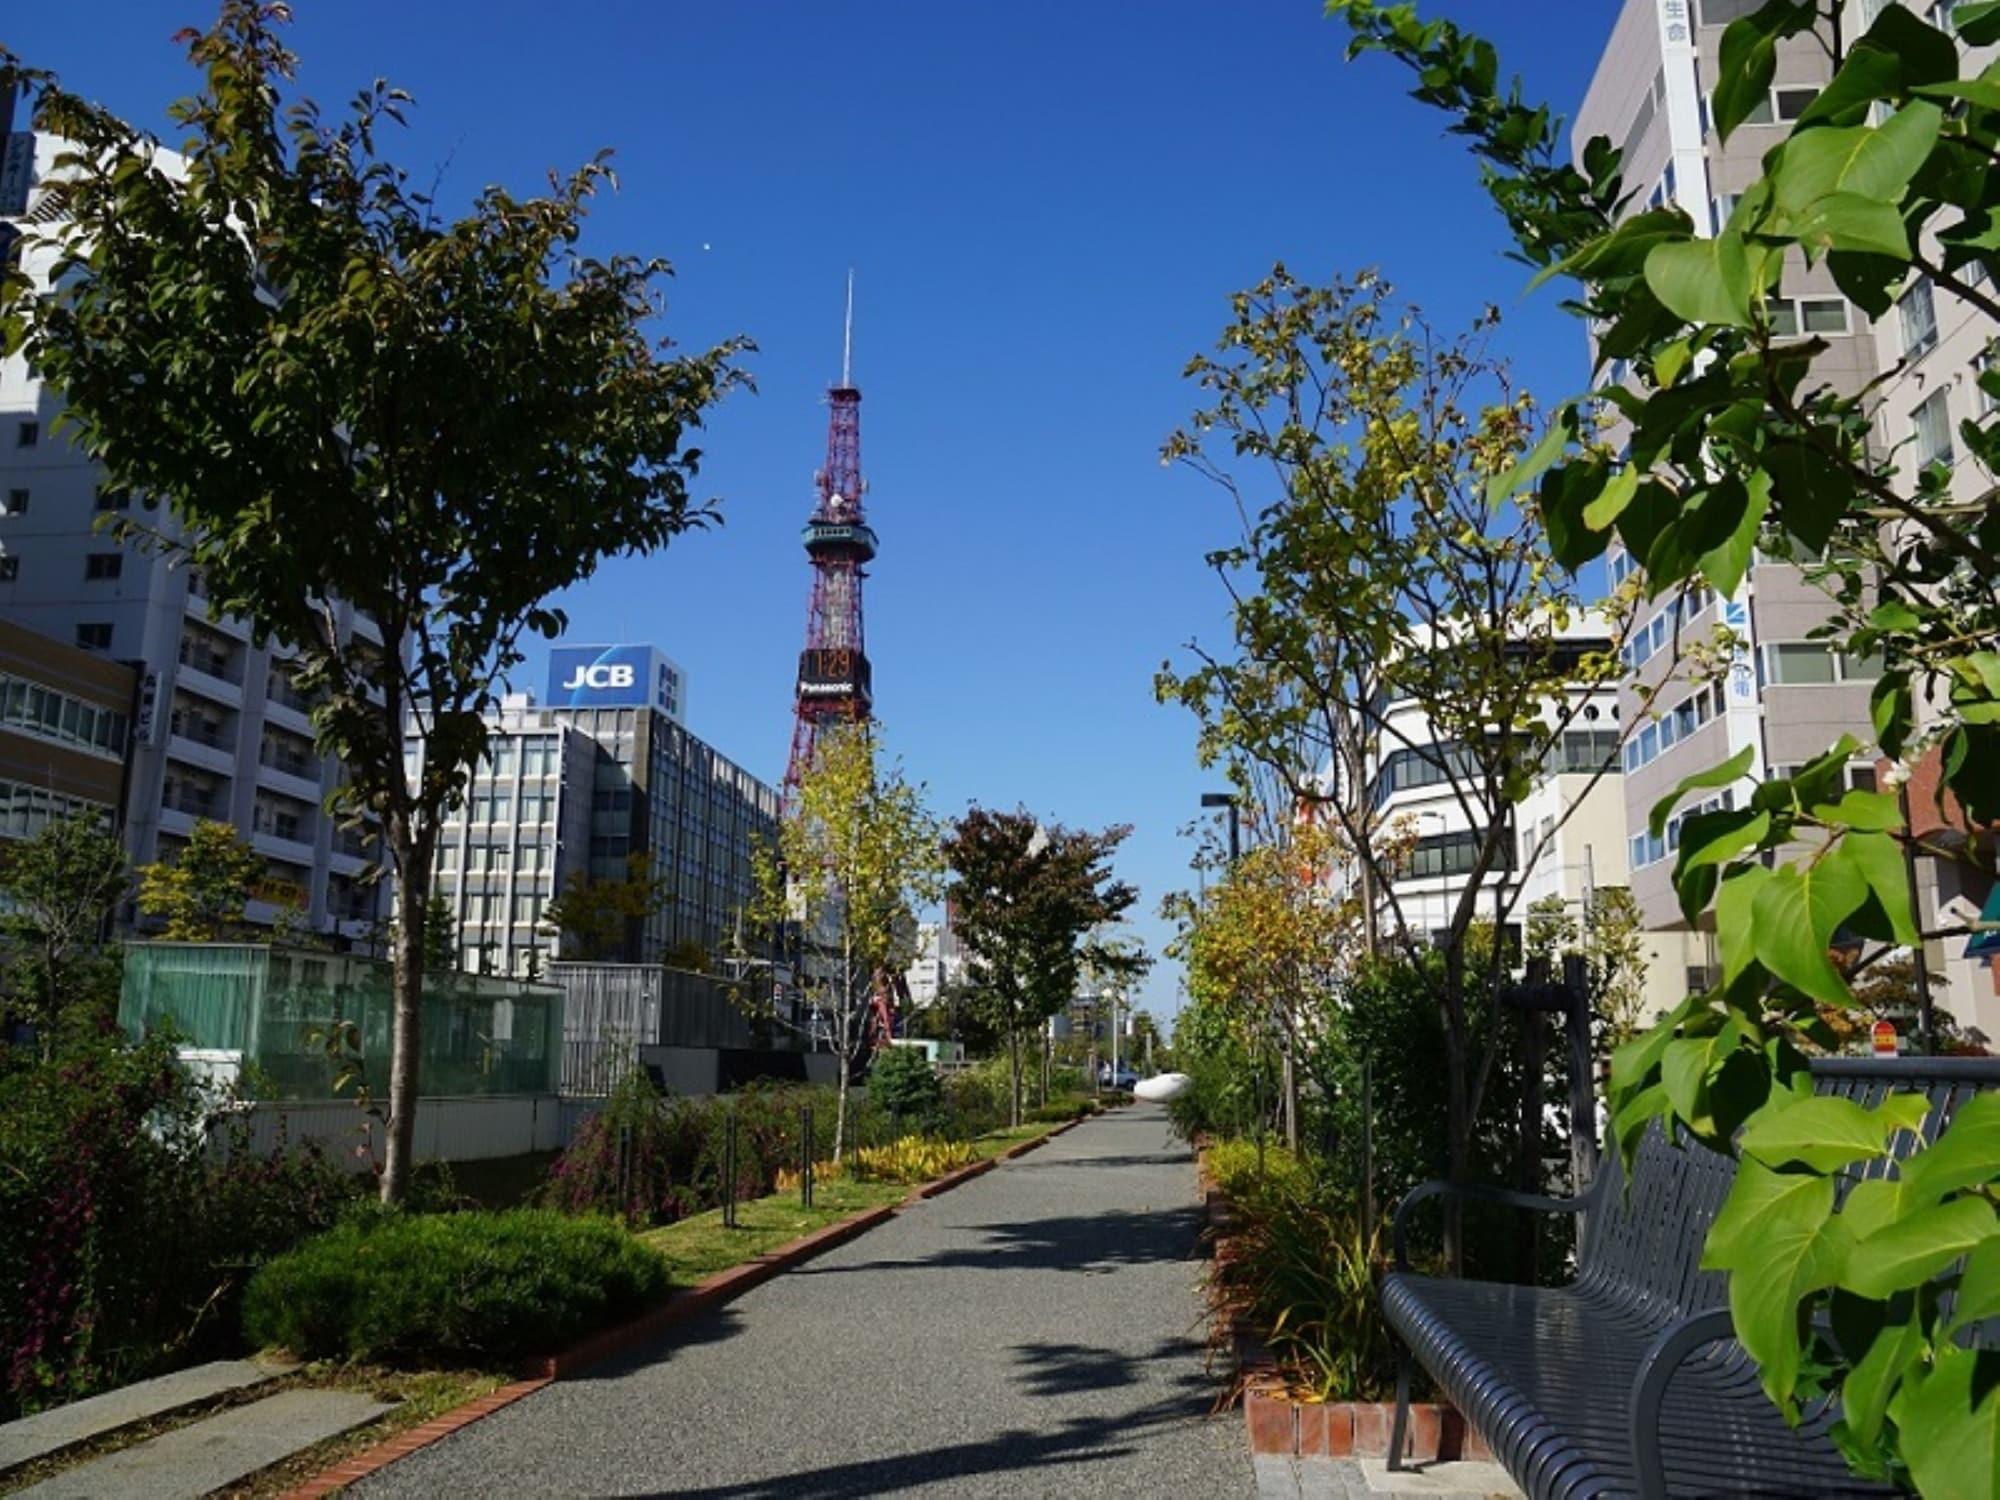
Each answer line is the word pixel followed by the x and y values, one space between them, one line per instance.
pixel 570 791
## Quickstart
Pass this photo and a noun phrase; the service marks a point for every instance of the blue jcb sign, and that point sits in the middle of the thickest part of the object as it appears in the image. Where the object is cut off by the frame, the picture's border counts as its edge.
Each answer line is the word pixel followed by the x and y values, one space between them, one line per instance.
pixel 614 677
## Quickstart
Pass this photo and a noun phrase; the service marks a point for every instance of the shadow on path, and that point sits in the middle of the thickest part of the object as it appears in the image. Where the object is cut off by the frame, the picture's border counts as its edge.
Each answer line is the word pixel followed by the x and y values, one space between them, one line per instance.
pixel 1018 1450
pixel 1093 1243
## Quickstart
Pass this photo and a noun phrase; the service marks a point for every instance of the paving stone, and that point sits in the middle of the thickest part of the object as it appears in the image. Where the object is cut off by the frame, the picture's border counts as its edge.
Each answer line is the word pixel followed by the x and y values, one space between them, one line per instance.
pixel 47 1432
pixel 1458 1480
pixel 216 1451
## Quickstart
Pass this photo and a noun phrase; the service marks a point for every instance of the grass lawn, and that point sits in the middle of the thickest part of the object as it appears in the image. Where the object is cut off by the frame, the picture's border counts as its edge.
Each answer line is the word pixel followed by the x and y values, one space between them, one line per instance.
pixel 700 1246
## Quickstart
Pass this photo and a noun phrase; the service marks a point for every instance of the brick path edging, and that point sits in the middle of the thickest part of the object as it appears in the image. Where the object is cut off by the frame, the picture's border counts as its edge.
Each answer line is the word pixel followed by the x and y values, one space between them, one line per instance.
pixel 1278 1424
pixel 703 1297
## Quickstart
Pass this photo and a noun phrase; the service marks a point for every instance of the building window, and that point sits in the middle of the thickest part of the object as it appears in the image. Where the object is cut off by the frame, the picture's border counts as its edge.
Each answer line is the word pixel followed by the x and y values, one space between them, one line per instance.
pixel 94 637
pixel 1931 424
pixel 1986 381
pixel 1807 663
pixel 1722 205
pixel 17 502
pixel 110 499
pixel 28 434
pixel 1793 317
pixel 104 565
pixel 1918 313
pixel 1781 106
pixel 10 569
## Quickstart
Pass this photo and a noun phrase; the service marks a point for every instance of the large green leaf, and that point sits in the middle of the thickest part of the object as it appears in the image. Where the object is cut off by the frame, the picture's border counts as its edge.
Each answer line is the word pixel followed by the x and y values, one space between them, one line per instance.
pixel 1866 161
pixel 1825 1133
pixel 1875 811
pixel 1848 221
pixel 1949 1422
pixel 1703 281
pixel 1747 60
pixel 1966 1155
pixel 1735 919
pixel 1793 920
pixel 1978 22
pixel 1918 1246
pixel 1730 770
pixel 1561 428
pixel 1811 492
pixel 1687 1063
pixel 1779 1239
pixel 1725 564
pixel 1978 1285
pixel 1871 1381
pixel 1879 860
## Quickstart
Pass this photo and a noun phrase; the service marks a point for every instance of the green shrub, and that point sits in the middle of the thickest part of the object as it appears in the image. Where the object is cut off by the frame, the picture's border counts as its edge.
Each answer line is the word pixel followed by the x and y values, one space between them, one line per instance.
pixel 129 1220
pixel 903 1084
pixel 1058 1110
pixel 470 1288
pixel 1301 1273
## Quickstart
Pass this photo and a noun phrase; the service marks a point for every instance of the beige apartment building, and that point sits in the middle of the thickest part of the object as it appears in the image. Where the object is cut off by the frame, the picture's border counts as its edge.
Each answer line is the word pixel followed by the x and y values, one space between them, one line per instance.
pixel 1784 696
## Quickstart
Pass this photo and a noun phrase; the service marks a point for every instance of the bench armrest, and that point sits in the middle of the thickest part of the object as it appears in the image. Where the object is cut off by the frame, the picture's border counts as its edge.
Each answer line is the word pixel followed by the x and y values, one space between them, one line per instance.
pixel 1649 1390
pixel 1475 1192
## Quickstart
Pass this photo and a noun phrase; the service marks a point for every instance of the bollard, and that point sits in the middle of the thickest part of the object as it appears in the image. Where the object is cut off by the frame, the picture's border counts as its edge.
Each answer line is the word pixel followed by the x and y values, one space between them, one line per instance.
pixel 805 1156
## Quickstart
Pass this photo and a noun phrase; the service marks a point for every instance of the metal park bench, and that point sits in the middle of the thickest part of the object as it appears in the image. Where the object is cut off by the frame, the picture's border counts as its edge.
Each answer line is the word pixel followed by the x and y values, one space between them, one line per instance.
pixel 1628 1381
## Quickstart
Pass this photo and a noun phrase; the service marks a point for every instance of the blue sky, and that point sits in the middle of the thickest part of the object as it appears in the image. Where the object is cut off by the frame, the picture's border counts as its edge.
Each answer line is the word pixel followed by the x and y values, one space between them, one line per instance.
pixel 1046 206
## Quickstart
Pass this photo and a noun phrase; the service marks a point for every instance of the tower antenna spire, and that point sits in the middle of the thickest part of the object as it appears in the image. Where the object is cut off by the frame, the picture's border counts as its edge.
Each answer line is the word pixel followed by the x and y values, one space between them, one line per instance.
pixel 847 338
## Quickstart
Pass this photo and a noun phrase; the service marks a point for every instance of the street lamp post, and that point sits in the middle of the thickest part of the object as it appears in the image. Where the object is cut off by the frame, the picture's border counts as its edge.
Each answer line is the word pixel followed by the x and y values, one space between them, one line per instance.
pixel 1228 800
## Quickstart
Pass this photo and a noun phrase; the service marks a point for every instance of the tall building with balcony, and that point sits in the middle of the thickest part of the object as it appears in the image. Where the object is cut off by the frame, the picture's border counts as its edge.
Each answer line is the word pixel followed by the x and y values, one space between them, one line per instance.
pixel 581 789
pixel 1783 696
pixel 219 728
pixel 1566 842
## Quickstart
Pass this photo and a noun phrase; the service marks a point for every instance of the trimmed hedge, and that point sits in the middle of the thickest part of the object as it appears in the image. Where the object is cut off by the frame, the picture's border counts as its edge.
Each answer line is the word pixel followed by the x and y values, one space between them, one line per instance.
pixel 465 1288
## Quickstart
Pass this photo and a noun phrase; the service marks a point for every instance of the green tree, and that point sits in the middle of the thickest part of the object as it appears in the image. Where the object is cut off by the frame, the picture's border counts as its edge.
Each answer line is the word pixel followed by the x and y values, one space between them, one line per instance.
pixel 341 393
pixel 854 860
pixel 58 891
pixel 1384 608
pixel 200 893
pixel 1268 942
pixel 1028 898
pixel 1608 931
pixel 1737 445
pixel 592 916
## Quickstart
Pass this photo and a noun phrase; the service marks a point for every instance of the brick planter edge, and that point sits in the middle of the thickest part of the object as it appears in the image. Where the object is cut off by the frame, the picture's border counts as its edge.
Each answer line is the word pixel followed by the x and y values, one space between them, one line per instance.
pixel 1278 1424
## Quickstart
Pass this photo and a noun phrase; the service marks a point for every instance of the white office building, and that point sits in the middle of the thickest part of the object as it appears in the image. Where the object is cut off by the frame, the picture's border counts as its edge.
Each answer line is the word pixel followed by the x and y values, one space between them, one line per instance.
pixel 220 730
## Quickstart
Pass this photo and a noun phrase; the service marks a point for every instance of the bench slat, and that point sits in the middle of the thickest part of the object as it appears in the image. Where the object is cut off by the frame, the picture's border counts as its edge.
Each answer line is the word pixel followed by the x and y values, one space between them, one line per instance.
pixel 1546 1375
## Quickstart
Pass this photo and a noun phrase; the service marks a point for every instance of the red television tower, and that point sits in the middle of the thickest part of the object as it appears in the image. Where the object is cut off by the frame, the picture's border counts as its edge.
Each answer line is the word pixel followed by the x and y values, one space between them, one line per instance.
pixel 834 682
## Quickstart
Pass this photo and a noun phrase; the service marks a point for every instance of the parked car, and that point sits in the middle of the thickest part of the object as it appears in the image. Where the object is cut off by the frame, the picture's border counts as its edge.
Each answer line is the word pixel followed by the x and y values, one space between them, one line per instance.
pixel 1123 1078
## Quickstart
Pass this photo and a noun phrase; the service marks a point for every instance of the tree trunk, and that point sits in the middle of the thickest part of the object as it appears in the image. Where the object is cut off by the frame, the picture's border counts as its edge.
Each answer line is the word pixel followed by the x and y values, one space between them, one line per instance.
pixel 1048 1059
pixel 1014 1061
pixel 1458 1144
pixel 412 863
pixel 840 1110
pixel 1291 1099
pixel 1529 1160
pixel 845 1047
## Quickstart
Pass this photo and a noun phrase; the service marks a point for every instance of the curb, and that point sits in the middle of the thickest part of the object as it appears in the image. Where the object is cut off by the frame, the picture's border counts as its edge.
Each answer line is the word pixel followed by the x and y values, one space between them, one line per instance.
pixel 703 1297
pixel 403 1444
pixel 1277 1424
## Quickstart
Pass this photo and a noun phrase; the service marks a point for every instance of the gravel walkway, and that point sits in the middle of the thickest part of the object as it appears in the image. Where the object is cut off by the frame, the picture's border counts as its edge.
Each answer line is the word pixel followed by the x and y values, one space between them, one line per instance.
pixel 1035 1332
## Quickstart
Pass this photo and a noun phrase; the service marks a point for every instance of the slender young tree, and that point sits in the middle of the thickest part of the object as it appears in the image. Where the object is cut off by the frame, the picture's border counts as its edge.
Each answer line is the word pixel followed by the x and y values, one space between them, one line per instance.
pixel 854 861
pixel 1386 610
pixel 57 893
pixel 1029 898
pixel 343 394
